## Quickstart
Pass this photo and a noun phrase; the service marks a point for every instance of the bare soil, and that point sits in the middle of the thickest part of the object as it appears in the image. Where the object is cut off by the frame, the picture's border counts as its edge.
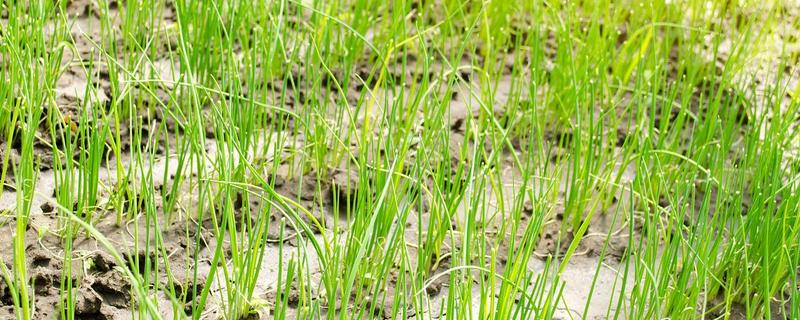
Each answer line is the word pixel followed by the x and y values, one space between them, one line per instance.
pixel 103 292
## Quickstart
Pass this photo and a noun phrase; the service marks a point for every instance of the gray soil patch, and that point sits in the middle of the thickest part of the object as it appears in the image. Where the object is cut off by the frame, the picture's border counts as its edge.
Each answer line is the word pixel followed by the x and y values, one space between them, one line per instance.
pixel 102 292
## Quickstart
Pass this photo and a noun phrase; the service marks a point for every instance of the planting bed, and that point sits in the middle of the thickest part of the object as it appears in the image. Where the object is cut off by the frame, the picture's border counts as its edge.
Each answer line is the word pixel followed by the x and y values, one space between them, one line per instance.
pixel 443 159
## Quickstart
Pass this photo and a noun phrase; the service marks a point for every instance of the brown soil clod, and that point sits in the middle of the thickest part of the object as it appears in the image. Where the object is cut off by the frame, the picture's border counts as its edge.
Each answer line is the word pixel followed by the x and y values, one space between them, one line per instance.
pixel 102 262
pixel 113 289
pixel 88 303
pixel 46 207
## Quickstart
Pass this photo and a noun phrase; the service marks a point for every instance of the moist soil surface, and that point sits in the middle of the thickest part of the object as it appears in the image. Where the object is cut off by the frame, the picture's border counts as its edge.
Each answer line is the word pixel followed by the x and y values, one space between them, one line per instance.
pixel 103 292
